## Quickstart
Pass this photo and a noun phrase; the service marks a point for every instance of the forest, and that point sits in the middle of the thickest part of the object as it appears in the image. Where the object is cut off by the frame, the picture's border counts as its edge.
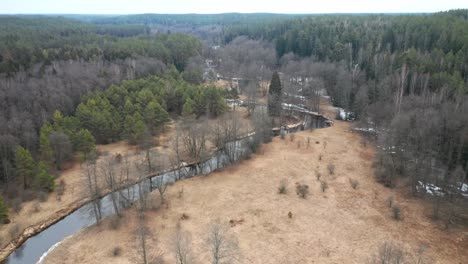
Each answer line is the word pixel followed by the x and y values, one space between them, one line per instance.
pixel 68 83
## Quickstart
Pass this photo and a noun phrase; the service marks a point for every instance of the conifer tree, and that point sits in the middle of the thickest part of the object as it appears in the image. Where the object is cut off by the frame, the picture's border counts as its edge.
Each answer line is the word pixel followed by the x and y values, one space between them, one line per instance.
pixel 274 95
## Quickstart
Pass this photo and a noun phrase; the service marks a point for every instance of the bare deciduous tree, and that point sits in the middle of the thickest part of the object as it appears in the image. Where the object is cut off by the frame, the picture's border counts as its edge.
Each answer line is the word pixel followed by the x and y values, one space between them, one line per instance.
pixel 181 243
pixel 223 246
pixel 108 171
pixel 92 187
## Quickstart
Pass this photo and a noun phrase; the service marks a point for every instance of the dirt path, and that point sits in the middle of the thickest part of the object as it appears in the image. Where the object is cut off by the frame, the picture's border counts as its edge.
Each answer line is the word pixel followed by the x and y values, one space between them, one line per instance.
pixel 342 225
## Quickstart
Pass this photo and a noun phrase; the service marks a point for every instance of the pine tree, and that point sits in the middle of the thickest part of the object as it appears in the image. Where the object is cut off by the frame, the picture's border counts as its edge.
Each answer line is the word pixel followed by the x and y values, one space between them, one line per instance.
pixel 25 165
pixel 84 142
pixel 274 95
pixel 43 180
pixel 188 107
pixel 45 148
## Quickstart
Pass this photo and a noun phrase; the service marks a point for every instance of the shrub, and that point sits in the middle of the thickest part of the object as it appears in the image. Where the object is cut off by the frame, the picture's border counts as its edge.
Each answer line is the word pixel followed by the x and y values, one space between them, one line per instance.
pixel 60 188
pixel 114 222
pixel 282 189
pixel 302 190
pixel 308 142
pixel 14 230
pixel 354 183
pixel 292 137
pixel 42 196
pixel 318 175
pixel 389 253
pixel 331 168
pixel 36 207
pixel 323 186
pixel 320 156
pixel 28 195
pixel 116 251
pixel 247 154
pixel 390 201
pixel 282 135
pixel 16 204
pixel 3 212
pixel 396 212
pixel 298 144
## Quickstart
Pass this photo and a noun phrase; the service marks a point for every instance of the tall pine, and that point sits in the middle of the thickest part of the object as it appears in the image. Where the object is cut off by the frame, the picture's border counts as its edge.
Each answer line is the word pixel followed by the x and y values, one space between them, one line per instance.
pixel 274 95
pixel 25 166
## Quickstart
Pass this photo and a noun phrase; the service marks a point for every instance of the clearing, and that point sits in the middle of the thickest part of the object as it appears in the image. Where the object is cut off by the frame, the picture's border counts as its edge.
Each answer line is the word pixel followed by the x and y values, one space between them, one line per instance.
pixel 340 225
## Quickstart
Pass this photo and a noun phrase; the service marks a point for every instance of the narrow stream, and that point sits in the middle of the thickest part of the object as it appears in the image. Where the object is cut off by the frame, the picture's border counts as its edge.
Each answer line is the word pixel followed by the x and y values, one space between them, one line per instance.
pixel 38 246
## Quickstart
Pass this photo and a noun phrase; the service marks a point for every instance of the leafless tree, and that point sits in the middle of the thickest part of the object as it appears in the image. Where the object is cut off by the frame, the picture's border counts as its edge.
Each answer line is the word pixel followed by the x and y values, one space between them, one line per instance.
pixel 181 243
pixel 222 245
pixel 225 132
pixel 108 171
pixel 92 187
pixel 194 138
pixel 161 185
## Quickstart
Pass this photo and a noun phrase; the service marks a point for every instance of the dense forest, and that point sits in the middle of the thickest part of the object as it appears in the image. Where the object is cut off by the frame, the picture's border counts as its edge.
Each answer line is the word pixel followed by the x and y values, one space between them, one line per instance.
pixel 405 78
pixel 67 83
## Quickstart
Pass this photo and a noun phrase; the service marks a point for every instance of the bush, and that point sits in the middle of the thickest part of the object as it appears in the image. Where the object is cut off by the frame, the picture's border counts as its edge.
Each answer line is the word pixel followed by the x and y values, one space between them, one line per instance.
pixel 298 144
pixel 3 212
pixel 292 137
pixel 396 212
pixel 331 168
pixel 318 175
pixel 114 222
pixel 36 207
pixel 320 156
pixel 60 188
pixel 354 183
pixel 389 254
pixel 302 190
pixel 390 201
pixel 116 251
pixel 323 186
pixel 16 204
pixel 43 196
pixel 28 195
pixel 282 135
pixel 14 230
pixel 282 189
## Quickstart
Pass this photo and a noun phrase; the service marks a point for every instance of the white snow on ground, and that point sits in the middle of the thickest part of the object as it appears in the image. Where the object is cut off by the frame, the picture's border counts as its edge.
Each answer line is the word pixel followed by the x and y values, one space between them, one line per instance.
pixel 364 129
pixel 431 189
pixel 42 258
pixel 437 191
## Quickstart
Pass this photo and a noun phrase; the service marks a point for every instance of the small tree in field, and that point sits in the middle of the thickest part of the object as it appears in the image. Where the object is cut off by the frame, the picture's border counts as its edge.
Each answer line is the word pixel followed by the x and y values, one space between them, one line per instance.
pixel 302 190
pixel 222 245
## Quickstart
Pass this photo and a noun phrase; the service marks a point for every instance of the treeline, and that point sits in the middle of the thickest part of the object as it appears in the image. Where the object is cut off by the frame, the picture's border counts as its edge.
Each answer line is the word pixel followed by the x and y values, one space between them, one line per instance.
pixel 193 19
pixel 28 40
pixel 434 43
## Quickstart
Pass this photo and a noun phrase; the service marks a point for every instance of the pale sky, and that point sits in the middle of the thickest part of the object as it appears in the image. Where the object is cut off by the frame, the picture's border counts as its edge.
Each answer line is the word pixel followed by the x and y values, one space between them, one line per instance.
pixel 223 6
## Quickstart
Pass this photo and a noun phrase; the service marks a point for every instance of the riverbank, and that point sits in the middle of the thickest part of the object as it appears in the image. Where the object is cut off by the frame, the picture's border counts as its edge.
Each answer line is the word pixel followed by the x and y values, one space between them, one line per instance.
pixel 340 225
pixel 37 216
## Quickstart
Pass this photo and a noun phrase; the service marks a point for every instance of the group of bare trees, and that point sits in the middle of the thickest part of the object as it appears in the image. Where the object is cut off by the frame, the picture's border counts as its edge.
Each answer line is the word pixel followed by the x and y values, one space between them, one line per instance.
pixel 248 59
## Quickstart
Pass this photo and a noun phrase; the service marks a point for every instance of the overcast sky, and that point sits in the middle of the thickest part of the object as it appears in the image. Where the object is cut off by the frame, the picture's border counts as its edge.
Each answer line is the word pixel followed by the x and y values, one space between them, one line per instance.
pixel 223 6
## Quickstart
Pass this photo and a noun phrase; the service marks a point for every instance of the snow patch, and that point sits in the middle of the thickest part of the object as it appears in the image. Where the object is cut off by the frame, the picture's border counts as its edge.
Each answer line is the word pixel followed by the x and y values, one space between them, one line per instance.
pixel 42 258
